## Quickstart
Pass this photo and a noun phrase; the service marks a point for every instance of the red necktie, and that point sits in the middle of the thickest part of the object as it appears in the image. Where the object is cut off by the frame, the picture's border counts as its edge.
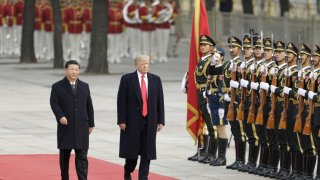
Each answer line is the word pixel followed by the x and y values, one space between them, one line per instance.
pixel 144 97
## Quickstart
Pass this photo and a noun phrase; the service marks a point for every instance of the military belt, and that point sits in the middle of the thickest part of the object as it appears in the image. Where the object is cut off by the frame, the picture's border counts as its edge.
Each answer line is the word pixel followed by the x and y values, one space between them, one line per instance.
pixel 214 90
pixel 199 86
pixel 280 99
pixel 316 104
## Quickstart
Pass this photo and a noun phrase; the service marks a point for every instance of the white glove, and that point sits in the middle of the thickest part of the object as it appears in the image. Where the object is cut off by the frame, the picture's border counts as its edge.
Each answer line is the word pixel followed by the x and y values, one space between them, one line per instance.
pixel 272 71
pixel 311 94
pixel 264 85
pixel 231 65
pixel 302 92
pixel 221 113
pixel 315 75
pixel 234 84
pixel 273 88
pixel 254 85
pixel 262 69
pixel 204 94
pixel 226 97
pixel 286 90
pixel 299 73
pixel 311 75
pixel 183 83
pixel 244 83
pixel 252 67
pixel 216 56
pixel 209 92
pixel 242 65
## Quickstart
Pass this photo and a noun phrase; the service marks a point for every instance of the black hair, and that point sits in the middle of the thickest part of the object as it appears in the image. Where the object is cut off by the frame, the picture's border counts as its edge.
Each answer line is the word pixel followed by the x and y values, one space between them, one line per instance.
pixel 71 62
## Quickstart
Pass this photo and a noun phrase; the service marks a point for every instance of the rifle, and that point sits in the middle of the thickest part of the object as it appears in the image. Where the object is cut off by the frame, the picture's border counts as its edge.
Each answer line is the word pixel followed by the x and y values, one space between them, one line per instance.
pixel 298 123
pixel 251 115
pixel 240 115
pixel 263 94
pixel 307 126
pixel 270 123
pixel 231 108
pixel 283 118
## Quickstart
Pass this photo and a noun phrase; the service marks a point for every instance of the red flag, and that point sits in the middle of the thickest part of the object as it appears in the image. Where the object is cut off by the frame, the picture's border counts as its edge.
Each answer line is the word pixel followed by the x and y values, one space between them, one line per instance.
pixel 200 26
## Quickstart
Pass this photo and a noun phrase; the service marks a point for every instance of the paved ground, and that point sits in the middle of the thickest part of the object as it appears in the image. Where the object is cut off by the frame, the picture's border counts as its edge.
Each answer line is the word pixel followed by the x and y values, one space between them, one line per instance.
pixel 28 125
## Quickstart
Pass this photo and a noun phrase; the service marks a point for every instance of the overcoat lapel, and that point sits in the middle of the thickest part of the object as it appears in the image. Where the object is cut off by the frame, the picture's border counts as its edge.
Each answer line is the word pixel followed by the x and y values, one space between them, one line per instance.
pixel 136 86
pixel 67 86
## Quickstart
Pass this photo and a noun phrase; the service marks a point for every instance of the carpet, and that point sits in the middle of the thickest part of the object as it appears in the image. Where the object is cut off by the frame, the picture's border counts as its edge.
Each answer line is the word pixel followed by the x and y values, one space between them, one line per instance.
pixel 46 167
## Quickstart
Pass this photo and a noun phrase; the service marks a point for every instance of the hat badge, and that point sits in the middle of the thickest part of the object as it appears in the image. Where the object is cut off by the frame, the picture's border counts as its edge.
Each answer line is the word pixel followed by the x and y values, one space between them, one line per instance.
pixel 289 45
pixel 268 43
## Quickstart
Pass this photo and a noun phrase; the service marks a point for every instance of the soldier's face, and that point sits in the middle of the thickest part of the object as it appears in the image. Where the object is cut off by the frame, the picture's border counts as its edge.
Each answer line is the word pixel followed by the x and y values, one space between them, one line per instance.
pixel 234 50
pixel 258 52
pixel 248 52
pixel 316 60
pixel 291 57
pixel 205 48
pixel 268 54
pixel 72 72
pixel 280 55
pixel 304 58
pixel 142 65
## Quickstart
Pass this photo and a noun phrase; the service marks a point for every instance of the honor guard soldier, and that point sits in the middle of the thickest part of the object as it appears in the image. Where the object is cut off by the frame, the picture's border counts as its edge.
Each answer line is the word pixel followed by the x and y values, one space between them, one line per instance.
pixel 162 31
pixel 309 155
pixel 133 29
pixel 86 29
pixel 2 29
pixel 147 15
pixel 18 12
pixel 264 106
pixel 287 119
pixel 315 96
pixel 216 103
pixel 207 46
pixel 65 33
pixel 10 21
pixel 74 22
pixel 47 19
pixel 277 140
pixel 174 35
pixel 114 31
pixel 249 66
pixel 230 68
pixel 38 31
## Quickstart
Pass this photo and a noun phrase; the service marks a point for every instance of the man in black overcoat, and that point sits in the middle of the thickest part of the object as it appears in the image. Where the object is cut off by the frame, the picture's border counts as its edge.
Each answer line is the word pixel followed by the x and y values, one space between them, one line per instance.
pixel 140 116
pixel 71 104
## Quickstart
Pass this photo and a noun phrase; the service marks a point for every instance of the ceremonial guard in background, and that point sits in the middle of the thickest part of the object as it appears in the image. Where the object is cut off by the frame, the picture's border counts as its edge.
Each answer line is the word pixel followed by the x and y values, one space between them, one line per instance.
pixel 2 29
pixel 163 13
pixel 86 29
pixel 249 66
pixel 276 88
pixel 114 31
pixel 309 152
pixel 231 76
pixel 74 21
pixel 264 106
pixel 10 20
pixel 65 5
pixel 314 95
pixel 207 46
pixel 291 109
pixel 132 27
pixel 18 12
pixel 147 15
pixel 47 19
pixel 216 103
pixel 174 35
pixel 38 31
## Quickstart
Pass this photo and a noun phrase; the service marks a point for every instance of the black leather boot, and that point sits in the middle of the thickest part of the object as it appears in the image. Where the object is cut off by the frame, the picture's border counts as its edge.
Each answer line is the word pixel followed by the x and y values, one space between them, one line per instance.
pixel 253 160
pixel 318 169
pixel 237 147
pixel 212 153
pixel 282 162
pixel 273 164
pixel 263 161
pixel 286 166
pixel 221 160
pixel 205 149
pixel 201 149
pixel 297 166
pixel 242 154
pixel 311 162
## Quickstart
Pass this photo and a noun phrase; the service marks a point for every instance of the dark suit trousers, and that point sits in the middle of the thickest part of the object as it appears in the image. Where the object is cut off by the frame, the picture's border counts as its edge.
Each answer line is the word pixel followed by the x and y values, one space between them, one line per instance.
pixel 144 162
pixel 81 162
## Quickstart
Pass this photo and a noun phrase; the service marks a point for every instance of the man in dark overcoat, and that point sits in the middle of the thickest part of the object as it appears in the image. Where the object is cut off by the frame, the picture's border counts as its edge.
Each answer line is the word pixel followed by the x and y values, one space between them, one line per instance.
pixel 71 104
pixel 140 117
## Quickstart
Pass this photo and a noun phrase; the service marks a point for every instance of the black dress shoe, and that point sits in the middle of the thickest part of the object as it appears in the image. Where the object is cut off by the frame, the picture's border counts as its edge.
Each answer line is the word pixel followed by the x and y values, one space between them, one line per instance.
pixel 127 177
